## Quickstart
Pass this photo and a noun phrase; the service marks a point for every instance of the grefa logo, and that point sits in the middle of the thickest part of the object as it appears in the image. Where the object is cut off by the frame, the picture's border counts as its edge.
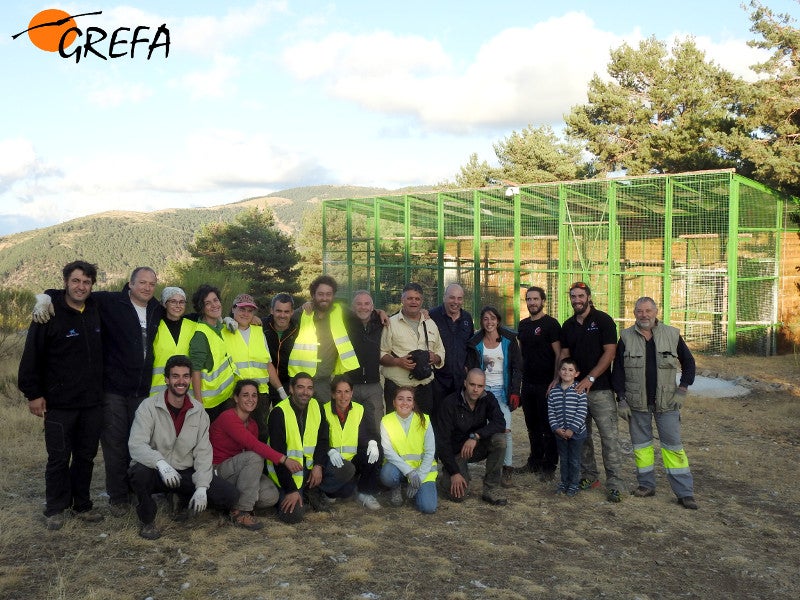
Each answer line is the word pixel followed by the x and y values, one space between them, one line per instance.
pixel 54 30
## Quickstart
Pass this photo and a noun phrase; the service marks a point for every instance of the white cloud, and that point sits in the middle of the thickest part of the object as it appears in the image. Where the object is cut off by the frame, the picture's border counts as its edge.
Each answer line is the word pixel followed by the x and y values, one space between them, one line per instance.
pixel 112 96
pixel 214 81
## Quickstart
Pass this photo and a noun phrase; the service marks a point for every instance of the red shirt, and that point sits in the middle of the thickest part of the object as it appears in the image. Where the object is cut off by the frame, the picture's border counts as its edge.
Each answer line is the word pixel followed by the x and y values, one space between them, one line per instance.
pixel 230 437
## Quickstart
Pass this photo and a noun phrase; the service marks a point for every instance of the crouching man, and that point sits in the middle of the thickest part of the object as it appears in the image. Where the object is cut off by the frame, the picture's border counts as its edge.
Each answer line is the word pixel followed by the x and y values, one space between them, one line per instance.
pixel 171 452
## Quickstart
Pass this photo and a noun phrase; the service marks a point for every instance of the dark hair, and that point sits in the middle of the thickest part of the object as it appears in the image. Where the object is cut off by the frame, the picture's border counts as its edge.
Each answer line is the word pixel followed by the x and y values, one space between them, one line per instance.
pixel 137 270
pixel 300 375
pixel 178 360
pixel 568 361
pixel 237 389
pixel 413 287
pixel 283 298
pixel 496 313
pixel 323 279
pixel 337 379
pixel 416 409
pixel 88 269
pixel 199 297
pixel 536 288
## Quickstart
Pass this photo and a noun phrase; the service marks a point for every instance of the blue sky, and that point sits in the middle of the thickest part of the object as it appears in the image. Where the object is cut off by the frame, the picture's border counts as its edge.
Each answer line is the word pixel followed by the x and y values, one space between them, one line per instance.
pixel 258 96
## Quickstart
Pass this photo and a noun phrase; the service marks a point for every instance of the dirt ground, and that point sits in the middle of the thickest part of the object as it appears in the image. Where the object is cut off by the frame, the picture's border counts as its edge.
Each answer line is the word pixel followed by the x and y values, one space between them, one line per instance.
pixel 743 542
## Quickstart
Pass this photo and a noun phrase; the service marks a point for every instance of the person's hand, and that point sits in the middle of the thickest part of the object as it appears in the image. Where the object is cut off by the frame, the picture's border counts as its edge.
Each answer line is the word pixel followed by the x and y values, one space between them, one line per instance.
pixel 290 501
pixel 414 483
pixel 553 384
pixel 424 315
pixel 405 362
pixel 468 448
pixel 315 477
pixel 458 485
pixel 382 316
pixel 43 309
pixel 513 402
pixel 308 307
pixel 584 386
pixel 568 433
pixel 434 358
pixel 293 465
pixel 623 410
pixel 38 406
pixel 336 458
pixel 230 324
pixel 199 500
pixel 169 476
pixel 256 321
pixel 372 452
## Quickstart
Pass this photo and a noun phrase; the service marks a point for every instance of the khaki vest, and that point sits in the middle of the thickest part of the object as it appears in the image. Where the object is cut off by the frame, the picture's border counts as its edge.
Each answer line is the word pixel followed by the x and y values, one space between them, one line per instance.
pixel 666 340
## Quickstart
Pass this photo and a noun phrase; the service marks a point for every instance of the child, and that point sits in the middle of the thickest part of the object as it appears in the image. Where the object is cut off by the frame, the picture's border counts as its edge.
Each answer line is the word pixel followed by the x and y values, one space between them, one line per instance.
pixel 566 411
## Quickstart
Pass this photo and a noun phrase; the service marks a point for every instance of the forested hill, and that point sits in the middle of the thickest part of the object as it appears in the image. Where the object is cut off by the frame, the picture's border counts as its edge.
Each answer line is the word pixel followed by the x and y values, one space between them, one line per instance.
pixel 119 241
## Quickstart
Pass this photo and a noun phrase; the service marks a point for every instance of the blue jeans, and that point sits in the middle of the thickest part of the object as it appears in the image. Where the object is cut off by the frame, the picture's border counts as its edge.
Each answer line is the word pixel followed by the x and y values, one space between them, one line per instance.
pixel 569 455
pixel 426 498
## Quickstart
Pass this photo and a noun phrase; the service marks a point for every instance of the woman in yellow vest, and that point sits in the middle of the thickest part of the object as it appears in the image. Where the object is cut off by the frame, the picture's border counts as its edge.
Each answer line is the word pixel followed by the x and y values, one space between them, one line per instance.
pixel 408 449
pixel 174 333
pixel 248 348
pixel 353 439
pixel 212 367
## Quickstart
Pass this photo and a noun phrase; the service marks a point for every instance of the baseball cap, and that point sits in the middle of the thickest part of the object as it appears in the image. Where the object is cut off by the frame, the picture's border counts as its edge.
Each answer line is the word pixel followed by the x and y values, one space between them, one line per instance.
pixel 244 300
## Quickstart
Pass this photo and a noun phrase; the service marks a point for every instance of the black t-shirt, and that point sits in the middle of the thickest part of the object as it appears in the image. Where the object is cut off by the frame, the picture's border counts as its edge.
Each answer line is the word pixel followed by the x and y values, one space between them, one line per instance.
pixel 536 340
pixel 585 343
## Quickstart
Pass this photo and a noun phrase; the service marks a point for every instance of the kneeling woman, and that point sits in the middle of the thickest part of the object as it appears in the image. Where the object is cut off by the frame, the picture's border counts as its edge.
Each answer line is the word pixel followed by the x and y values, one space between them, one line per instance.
pixel 239 456
pixel 409 448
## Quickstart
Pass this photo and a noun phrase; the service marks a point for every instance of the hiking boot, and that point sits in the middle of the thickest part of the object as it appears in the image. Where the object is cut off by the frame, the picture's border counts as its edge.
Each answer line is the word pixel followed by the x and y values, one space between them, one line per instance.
pixel 589 484
pixel 688 502
pixel 318 500
pixel 506 478
pixel 494 498
pixel 89 516
pixel 643 492
pixel 368 501
pixel 245 520
pixel 396 497
pixel 119 510
pixel 55 522
pixel 613 496
pixel 149 532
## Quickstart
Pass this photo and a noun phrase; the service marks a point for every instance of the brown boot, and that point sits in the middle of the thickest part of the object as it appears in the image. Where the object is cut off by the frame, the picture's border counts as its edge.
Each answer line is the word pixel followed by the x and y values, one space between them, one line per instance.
pixel 505 480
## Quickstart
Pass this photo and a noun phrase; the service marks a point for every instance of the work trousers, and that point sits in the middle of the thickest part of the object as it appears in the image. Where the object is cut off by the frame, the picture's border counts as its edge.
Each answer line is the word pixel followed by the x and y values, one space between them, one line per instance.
pixel 491 450
pixel 118 414
pixel 603 411
pixel 370 396
pixel 246 472
pixel 673 455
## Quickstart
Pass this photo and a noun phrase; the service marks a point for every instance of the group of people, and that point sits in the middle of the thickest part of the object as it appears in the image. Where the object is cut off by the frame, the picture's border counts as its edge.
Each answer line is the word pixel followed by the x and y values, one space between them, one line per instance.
pixel 195 406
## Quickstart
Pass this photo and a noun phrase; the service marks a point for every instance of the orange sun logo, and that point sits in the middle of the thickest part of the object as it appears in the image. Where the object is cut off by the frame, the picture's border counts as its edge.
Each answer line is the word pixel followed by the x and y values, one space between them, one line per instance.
pixel 48 27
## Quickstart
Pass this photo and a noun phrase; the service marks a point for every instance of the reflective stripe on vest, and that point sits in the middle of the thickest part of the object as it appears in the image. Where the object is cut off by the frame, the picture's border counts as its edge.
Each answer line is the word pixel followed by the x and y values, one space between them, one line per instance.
pixel 295 447
pixel 164 347
pixel 250 359
pixel 303 357
pixel 217 385
pixel 345 440
pixel 410 447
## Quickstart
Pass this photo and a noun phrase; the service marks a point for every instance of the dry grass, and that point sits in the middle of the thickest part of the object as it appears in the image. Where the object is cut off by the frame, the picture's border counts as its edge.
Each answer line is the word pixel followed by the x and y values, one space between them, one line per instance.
pixel 742 543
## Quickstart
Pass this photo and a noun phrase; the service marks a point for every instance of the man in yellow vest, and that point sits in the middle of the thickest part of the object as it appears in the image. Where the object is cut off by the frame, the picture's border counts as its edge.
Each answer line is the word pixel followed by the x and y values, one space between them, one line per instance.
pixel 644 378
pixel 322 347
pixel 298 428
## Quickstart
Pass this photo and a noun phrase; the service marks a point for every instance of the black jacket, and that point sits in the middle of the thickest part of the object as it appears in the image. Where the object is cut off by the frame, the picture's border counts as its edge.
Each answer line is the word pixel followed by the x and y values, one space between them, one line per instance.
pixel 281 347
pixel 367 345
pixel 63 358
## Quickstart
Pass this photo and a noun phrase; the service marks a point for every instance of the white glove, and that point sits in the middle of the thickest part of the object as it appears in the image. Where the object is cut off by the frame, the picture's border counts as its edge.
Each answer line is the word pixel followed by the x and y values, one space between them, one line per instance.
pixel 414 483
pixel 199 500
pixel 623 410
pixel 372 452
pixel 231 324
pixel 43 309
pixel 336 458
pixel 169 476
pixel 282 393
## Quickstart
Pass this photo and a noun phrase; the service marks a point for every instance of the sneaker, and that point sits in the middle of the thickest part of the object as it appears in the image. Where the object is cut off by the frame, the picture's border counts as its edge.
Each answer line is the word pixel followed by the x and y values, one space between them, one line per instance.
pixel 149 532
pixel 119 510
pixel 688 502
pixel 613 496
pixel 368 501
pixel 573 490
pixel 643 492
pixel 55 522
pixel 318 500
pixel 89 516
pixel 589 484
pixel 561 489
pixel 494 498
pixel 506 477
pixel 396 497
pixel 245 520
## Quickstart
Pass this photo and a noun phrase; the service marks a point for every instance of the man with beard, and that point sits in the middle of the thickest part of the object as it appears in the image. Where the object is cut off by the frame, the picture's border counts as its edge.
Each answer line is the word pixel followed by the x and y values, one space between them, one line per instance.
pixel 540 345
pixel 645 369
pixel 322 347
pixel 171 452
pixel 590 337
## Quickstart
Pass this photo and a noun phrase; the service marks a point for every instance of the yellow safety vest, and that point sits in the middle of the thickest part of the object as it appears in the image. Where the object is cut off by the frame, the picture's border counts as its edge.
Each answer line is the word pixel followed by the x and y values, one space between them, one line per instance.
pixel 304 352
pixel 217 385
pixel 301 450
pixel 250 359
pixel 164 347
pixel 410 447
pixel 345 440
